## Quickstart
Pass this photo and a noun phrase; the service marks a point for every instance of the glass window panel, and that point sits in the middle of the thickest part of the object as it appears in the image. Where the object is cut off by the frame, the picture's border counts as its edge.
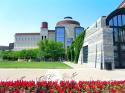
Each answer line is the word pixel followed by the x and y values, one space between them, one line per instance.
pixel 69 41
pixel 124 35
pixel 60 31
pixel 111 22
pixel 78 30
pixel 60 34
pixel 115 20
pixel 119 20
pixel 85 54
pixel 123 19
pixel 60 39
pixel 116 34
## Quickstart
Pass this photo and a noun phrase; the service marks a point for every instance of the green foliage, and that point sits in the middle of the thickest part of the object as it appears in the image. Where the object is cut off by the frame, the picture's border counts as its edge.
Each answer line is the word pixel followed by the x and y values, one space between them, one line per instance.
pixel 74 50
pixel 9 55
pixel 51 49
pixel 15 55
pixel 28 54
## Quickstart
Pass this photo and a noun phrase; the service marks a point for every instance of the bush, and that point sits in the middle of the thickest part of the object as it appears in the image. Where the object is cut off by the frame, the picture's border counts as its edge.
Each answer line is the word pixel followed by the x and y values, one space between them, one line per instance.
pixel 51 50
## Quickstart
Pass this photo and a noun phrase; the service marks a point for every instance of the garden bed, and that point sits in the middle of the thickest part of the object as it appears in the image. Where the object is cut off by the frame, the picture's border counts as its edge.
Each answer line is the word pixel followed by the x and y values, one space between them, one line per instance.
pixel 62 87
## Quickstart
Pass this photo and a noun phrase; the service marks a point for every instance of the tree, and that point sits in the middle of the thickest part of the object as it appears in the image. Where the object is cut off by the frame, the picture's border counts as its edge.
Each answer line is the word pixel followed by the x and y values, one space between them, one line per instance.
pixel 51 49
pixel 74 49
pixel 28 54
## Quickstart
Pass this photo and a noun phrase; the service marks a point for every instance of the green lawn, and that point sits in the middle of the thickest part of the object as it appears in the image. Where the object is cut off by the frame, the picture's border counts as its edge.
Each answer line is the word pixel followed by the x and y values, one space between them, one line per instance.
pixel 41 65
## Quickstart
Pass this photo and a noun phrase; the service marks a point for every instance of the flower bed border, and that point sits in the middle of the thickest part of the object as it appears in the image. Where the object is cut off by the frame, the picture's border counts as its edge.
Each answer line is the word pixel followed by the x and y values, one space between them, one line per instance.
pixel 20 86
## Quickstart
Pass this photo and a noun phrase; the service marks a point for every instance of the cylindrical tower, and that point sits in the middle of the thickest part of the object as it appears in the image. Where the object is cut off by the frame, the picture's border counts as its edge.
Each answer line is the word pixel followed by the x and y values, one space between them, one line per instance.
pixel 66 30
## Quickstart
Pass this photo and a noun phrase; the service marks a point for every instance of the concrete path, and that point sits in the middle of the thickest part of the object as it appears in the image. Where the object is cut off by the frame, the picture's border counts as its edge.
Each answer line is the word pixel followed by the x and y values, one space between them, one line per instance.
pixel 76 66
pixel 79 72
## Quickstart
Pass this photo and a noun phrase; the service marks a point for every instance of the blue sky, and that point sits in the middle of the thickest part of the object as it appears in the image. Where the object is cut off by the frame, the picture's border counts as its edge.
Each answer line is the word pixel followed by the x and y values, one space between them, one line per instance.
pixel 27 15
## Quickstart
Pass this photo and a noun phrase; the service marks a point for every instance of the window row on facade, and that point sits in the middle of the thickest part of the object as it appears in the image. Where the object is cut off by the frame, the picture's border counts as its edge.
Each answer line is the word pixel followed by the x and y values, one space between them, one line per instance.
pixel 118 20
pixel 26 38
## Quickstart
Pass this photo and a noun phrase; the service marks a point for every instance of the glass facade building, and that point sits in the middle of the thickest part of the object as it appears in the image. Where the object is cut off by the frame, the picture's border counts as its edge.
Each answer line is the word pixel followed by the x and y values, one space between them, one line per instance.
pixel 67 30
pixel 116 21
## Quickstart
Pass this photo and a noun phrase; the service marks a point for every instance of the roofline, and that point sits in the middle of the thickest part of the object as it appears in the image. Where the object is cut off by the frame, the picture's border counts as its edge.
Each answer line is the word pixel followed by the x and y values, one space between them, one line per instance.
pixel 120 6
pixel 27 34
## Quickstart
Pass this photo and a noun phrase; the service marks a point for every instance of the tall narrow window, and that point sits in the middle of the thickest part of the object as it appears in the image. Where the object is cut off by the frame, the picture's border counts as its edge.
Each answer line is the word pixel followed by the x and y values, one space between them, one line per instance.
pixel 119 20
pixel 42 37
pixel 111 22
pixel 77 31
pixel 116 34
pixel 85 54
pixel 115 20
pixel 60 34
pixel 123 19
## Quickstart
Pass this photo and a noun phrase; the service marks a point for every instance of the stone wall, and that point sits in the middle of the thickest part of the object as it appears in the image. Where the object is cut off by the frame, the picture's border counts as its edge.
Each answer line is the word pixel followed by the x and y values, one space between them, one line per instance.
pixel 99 40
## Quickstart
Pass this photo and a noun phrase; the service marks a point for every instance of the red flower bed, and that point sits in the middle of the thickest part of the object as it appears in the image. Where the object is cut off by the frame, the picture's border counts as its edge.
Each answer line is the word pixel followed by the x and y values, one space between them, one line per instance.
pixel 62 87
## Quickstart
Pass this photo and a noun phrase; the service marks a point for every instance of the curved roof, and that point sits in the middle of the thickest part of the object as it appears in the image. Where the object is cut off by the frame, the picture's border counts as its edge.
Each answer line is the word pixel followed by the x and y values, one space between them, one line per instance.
pixel 118 11
pixel 68 20
pixel 122 5
pixel 114 13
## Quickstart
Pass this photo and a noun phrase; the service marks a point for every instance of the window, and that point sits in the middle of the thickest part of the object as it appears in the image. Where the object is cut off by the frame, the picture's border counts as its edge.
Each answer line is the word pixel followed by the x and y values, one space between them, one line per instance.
pixel 16 38
pixel 115 20
pixel 69 41
pixel 42 37
pixel 85 54
pixel 119 20
pixel 115 34
pixel 123 19
pixel 111 22
pixel 60 34
pixel 77 31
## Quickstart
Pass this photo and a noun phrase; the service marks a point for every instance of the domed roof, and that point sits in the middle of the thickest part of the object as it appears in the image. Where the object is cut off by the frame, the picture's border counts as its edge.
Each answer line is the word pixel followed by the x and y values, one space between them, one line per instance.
pixel 67 20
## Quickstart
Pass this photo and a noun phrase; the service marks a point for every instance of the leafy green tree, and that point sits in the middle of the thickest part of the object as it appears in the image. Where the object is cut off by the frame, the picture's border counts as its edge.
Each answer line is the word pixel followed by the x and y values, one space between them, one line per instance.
pixel 74 50
pixel 51 49
pixel 28 54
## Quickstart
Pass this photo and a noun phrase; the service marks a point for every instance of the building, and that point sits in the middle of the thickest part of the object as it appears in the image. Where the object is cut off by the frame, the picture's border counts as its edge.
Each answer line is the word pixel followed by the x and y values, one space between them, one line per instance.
pixel 104 43
pixel 65 31
pixel 10 47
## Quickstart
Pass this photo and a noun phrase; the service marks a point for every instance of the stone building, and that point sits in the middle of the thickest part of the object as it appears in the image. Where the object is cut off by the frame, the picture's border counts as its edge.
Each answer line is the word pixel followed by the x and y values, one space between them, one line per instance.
pixel 104 43
pixel 65 31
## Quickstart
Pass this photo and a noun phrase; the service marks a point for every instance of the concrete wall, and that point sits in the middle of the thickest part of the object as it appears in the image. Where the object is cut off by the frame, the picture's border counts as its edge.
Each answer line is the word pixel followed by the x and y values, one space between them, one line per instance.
pixel 26 41
pixel 51 36
pixel 44 32
pixel 100 45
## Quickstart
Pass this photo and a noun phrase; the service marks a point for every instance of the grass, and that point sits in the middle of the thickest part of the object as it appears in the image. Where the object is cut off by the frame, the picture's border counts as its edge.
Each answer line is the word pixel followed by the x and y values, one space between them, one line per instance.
pixel 41 65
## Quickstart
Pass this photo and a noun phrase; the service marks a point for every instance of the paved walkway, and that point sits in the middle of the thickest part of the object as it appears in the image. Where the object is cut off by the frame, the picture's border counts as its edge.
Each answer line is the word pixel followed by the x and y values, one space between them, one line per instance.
pixel 76 66
pixel 79 72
